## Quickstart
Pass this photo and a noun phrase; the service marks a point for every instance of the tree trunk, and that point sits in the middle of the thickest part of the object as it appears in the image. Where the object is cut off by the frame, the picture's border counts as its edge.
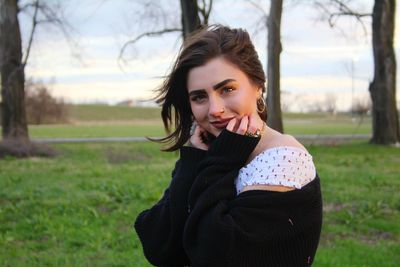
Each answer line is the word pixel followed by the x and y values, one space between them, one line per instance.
pixel 190 17
pixel 12 73
pixel 385 122
pixel 273 71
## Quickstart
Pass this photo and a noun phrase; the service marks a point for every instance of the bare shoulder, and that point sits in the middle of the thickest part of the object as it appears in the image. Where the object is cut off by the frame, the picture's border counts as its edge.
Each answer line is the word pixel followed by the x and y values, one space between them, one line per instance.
pixel 289 140
pixel 286 140
pixel 277 140
pixel 272 139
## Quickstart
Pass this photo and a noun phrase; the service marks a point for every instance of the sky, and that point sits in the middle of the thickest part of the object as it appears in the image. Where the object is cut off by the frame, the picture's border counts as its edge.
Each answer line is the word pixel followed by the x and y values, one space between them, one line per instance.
pixel 317 62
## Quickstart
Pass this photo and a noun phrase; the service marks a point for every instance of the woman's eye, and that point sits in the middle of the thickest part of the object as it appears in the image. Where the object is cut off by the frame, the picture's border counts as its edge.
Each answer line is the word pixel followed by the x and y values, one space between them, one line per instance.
pixel 227 89
pixel 198 98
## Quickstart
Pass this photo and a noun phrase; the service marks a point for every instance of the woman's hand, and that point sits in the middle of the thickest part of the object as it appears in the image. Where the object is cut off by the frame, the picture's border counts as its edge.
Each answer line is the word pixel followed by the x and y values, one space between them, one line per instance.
pixel 249 124
pixel 199 137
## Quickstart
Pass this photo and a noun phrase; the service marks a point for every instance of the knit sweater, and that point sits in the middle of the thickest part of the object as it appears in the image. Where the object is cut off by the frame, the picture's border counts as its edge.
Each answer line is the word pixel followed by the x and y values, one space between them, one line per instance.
pixel 200 221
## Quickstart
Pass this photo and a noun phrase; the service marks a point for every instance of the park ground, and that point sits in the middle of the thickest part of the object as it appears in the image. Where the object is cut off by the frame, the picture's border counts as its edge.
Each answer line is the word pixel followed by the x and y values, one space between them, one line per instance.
pixel 78 208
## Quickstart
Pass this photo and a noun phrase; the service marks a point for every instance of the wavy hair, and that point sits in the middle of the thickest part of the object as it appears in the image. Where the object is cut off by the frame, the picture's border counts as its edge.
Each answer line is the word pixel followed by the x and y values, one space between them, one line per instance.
pixel 203 45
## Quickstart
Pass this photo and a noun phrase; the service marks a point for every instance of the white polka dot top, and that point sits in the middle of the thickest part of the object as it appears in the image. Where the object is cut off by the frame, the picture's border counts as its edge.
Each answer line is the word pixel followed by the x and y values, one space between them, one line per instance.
pixel 284 165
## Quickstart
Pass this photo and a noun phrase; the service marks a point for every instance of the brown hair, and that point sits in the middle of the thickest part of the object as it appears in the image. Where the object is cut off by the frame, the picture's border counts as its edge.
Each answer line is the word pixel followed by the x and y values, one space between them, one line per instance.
pixel 208 43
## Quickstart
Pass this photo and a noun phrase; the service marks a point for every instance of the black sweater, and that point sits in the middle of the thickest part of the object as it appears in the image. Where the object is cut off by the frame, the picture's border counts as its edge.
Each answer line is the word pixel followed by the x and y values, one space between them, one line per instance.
pixel 200 221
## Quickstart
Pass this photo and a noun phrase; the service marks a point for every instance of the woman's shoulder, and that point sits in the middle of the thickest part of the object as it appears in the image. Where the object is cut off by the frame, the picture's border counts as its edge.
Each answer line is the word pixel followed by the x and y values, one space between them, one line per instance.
pixel 289 141
pixel 283 164
pixel 279 140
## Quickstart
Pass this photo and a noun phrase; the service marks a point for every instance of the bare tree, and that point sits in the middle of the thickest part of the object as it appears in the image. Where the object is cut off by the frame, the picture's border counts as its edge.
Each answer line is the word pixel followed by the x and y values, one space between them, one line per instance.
pixel 330 103
pixel 335 9
pixel 273 69
pixel 194 15
pixel 13 61
pixel 362 105
pixel 287 101
pixel 272 23
pixel 385 122
pixel 12 73
pixel 190 17
pixel 41 106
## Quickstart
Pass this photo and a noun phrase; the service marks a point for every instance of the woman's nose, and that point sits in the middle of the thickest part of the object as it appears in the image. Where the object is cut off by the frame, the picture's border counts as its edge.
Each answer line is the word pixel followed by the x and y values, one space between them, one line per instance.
pixel 216 107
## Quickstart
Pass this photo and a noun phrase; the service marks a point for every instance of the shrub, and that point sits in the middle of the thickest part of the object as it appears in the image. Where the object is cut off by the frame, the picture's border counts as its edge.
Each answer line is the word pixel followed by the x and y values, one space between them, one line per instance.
pixel 41 106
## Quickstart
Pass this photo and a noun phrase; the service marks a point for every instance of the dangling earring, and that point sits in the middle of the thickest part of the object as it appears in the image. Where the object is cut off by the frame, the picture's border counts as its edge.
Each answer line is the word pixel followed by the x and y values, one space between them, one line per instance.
pixel 261 105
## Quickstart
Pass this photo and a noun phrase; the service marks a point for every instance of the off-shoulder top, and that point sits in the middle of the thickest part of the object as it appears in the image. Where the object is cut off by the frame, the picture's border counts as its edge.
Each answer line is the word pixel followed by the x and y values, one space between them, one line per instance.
pixel 283 165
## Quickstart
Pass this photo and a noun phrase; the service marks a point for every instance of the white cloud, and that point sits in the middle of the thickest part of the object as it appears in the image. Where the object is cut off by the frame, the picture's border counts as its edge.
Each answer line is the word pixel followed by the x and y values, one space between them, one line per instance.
pixel 327 52
pixel 313 59
pixel 303 102
pixel 315 84
pixel 109 92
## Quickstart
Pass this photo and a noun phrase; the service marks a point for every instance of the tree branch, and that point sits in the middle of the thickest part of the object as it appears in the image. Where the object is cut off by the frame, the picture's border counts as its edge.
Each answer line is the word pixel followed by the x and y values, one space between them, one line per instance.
pixel 146 34
pixel 258 6
pixel 208 11
pixel 205 11
pixel 34 24
pixel 343 10
pixel 45 14
pixel 358 17
pixel 261 23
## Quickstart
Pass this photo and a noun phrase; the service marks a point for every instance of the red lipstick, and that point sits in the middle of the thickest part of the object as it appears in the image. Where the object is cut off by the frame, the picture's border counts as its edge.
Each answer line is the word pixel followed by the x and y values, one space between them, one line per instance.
pixel 221 124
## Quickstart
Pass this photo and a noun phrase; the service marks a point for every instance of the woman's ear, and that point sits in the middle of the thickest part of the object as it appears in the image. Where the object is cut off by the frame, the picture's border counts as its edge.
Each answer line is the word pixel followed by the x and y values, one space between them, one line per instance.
pixel 259 92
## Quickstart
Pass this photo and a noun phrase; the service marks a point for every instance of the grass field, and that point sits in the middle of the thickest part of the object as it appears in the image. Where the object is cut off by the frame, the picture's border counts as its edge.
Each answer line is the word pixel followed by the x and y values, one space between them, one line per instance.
pixel 137 129
pixel 116 121
pixel 78 209
pixel 109 113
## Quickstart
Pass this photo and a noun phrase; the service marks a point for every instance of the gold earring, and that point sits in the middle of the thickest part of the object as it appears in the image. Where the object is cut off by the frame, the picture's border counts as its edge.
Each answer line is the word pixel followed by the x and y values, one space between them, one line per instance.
pixel 261 105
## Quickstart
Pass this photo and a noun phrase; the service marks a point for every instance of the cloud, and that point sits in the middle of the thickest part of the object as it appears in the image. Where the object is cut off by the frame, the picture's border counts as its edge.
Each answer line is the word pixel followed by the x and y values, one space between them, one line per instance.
pixel 303 102
pixel 315 58
pixel 109 92
pixel 324 84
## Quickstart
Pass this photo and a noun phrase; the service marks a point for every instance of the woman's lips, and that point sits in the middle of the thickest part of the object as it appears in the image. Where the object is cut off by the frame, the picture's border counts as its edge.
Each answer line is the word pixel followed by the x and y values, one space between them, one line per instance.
pixel 221 124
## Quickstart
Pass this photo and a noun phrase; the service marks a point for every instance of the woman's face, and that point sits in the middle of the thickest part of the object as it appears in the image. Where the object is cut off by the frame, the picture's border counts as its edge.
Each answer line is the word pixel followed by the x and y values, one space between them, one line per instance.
pixel 219 91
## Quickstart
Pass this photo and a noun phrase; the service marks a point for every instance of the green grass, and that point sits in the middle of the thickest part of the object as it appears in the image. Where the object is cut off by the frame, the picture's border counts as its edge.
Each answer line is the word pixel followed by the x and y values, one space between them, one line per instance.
pixel 156 129
pixel 105 130
pixel 327 128
pixel 119 121
pixel 78 209
pixel 109 113
pixel 92 112
pixel 361 205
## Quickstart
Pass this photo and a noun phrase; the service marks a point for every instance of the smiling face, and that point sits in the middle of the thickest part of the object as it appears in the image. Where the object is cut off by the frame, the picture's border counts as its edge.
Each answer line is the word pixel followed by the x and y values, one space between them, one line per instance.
pixel 219 91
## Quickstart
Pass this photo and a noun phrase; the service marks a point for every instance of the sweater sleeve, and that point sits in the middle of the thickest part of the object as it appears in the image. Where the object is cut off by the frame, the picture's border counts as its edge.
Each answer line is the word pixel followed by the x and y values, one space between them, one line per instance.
pixel 160 227
pixel 255 228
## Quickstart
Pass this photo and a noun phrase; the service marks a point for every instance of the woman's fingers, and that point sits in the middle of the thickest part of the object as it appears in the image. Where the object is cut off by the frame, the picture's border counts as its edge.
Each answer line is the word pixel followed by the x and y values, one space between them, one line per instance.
pixel 199 130
pixel 242 129
pixel 231 125
pixel 247 124
pixel 239 127
pixel 255 123
pixel 197 140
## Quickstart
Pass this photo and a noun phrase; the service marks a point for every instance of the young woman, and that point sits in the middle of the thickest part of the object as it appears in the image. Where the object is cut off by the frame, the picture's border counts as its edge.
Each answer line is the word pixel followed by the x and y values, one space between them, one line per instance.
pixel 241 194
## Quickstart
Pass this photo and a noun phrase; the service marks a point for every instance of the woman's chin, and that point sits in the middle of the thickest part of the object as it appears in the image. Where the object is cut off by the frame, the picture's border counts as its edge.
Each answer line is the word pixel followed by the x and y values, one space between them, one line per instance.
pixel 217 132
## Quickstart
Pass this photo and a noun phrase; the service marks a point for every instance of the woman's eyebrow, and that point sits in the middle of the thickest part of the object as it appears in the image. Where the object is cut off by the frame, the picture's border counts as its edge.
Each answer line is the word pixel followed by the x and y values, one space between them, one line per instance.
pixel 224 82
pixel 215 87
pixel 196 92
